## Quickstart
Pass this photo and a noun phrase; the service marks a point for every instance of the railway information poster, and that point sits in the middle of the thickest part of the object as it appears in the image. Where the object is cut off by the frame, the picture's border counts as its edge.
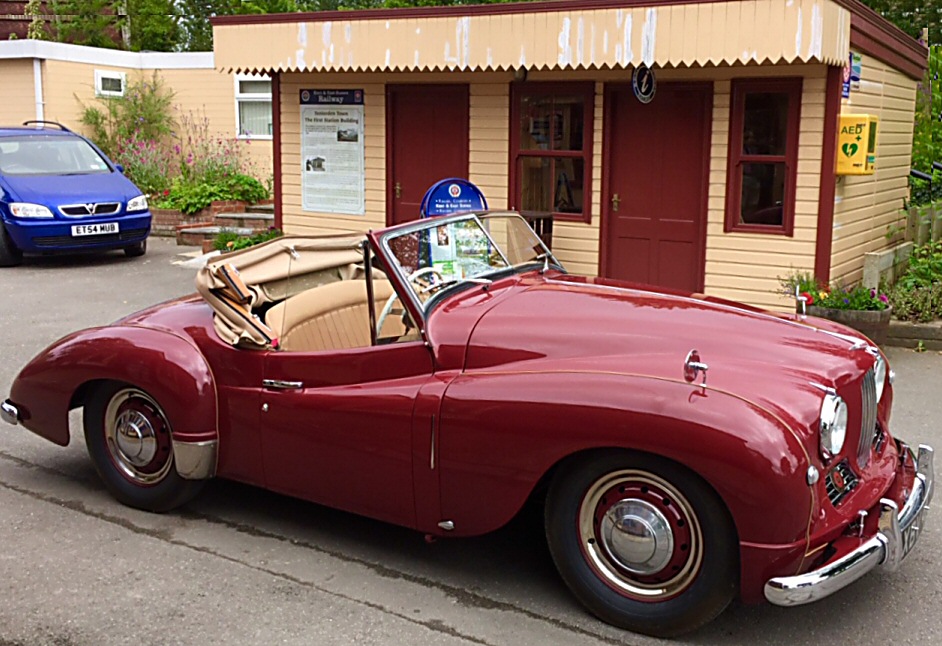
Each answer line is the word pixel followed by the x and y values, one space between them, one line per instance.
pixel 332 168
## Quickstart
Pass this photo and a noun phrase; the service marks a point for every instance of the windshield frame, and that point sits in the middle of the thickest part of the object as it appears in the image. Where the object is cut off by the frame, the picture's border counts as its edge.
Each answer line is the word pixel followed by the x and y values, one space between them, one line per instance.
pixel 423 308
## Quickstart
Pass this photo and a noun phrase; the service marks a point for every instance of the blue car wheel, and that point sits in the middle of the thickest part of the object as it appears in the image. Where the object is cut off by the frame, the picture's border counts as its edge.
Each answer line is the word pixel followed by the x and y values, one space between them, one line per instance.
pixel 10 255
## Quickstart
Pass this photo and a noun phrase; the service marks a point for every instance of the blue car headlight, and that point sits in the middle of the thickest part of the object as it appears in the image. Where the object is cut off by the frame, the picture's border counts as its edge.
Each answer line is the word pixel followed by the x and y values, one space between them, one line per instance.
pixel 26 210
pixel 138 203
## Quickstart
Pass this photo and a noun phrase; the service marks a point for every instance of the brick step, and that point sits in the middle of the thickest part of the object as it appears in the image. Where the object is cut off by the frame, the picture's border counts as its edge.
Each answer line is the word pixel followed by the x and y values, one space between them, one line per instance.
pixel 257 221
pixel 196 236
pixel 261 208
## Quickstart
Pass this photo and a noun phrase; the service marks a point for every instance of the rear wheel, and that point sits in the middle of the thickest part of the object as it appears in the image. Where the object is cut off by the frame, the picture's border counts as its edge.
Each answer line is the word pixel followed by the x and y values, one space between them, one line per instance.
pixel 136 250
pixel 644 543
pixel 129 440
pixel 10 255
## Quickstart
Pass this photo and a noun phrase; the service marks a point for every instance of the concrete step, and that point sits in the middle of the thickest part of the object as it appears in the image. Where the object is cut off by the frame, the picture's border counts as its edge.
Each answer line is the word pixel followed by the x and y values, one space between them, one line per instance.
pixel 256 221
pixel 261 208
pixel 196 236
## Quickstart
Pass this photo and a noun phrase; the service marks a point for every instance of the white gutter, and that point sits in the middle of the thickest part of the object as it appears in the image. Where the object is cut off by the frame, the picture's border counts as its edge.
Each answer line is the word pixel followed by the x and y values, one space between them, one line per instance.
pixel 38 88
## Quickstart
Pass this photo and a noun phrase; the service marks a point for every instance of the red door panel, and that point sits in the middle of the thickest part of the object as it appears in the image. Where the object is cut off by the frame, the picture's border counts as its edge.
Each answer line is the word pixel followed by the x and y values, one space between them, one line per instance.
pixel 426 139
pixel 658 167
pixel 344 438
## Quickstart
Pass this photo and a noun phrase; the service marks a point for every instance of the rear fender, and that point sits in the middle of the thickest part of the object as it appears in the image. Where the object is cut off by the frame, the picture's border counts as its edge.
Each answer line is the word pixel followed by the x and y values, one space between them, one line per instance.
pixel 168 367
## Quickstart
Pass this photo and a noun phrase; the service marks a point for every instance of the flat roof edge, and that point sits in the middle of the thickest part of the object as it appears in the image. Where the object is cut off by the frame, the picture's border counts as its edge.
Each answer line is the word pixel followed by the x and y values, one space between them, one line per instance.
pixel 46 50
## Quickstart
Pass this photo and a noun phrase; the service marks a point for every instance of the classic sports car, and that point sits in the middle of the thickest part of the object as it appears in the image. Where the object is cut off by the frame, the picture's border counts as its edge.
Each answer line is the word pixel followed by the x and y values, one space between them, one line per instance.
pixel 440 374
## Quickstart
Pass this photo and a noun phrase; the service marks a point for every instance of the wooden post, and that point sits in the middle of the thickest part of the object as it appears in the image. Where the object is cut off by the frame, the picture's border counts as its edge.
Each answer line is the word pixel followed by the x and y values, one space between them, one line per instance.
pixel 935 213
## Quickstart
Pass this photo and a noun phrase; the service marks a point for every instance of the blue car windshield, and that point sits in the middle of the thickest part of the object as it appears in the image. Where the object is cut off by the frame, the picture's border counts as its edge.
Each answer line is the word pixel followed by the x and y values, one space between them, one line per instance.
pixel 49 155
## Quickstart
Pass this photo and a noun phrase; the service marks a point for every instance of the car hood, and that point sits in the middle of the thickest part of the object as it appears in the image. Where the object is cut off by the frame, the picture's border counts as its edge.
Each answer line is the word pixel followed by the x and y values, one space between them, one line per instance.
pixel 578 324
pixel 70 189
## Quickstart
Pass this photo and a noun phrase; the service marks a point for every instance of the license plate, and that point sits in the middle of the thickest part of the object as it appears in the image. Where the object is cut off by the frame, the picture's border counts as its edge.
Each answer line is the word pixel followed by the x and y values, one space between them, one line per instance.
pixel 94 229
pixel 911 533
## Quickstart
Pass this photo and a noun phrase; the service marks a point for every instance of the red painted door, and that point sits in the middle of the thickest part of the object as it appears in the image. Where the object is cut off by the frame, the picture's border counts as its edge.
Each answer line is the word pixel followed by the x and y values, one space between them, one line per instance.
pixel 426 140
pixel 655 198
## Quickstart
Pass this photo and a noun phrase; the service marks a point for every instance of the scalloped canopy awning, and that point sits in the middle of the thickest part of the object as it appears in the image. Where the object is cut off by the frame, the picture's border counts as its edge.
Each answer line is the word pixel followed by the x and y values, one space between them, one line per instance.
pixel 572 36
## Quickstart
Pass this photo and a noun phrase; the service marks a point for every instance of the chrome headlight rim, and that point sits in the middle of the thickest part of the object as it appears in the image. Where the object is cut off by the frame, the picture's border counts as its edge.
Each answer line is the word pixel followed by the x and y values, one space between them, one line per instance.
pixel 833 425
pixel 30 211
pixel 880 374
pixel 138 203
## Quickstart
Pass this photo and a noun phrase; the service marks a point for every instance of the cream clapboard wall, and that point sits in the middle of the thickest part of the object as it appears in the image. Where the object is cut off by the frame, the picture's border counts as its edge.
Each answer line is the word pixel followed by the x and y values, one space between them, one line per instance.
pixel 867 207
pixel 19 96
pixel 739 266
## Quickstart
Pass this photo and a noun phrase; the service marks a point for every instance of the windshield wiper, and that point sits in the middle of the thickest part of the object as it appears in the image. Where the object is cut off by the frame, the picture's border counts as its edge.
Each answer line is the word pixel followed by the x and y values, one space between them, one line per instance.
pixel 454 281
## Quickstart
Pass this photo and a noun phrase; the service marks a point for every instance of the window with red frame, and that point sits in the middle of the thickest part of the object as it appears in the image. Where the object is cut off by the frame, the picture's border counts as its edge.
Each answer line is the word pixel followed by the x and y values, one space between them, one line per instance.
pixel 551 141
pixel 763 155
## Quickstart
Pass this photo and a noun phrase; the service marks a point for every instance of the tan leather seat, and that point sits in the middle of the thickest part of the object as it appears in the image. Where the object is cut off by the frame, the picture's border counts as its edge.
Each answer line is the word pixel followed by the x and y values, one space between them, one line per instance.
pixel 335 316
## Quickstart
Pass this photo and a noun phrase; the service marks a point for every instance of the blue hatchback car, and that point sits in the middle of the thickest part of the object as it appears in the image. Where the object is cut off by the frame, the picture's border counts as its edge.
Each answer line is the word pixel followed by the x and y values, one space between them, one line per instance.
pixel 59 192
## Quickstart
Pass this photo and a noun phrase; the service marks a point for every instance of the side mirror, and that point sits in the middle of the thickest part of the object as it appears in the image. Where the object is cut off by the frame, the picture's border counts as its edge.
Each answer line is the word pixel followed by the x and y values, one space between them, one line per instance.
pixel 119 168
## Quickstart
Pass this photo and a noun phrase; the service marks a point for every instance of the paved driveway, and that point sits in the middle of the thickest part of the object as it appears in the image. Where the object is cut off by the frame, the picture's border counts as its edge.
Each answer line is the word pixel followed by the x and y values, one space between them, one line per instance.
pixel 242 566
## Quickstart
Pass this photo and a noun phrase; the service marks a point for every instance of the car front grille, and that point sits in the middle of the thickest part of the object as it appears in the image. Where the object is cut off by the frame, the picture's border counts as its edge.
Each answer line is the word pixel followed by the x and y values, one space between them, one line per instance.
pixel 88 241
pixel 840 482
pixel 868 417
pixel 79 210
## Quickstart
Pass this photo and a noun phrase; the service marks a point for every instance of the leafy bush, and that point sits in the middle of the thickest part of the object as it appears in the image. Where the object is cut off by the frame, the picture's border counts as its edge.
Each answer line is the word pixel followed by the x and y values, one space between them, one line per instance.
pixel 927 132
pixel 232 241
pixel 917 296
pixel 143 114
pixel 146 163
pixel 190 198
pixel 207 157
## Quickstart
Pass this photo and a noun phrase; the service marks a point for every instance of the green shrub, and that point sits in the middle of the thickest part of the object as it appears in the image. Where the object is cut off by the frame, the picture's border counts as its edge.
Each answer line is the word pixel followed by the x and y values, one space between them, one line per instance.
pixel 232 241
pixel 917 296
pixel 857 297
pixel 927 131
pixel 190 198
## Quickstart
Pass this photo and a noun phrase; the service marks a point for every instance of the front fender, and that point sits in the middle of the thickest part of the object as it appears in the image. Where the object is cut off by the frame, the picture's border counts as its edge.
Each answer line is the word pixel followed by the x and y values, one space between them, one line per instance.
pixel 501 432
pixel 168 367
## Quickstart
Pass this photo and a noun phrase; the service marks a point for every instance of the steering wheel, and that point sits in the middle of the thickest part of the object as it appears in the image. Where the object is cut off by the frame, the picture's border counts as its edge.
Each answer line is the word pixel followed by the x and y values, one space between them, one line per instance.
pixel 418 273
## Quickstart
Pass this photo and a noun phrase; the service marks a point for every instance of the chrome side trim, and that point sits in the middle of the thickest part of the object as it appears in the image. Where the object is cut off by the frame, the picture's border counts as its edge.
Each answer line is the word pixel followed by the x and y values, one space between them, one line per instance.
pixel 9 413
pixel 195 460
pixel 280 384
pixel 899 530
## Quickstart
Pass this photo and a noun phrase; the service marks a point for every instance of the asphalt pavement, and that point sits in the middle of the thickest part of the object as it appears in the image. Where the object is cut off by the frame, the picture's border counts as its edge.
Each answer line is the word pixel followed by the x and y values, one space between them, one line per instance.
pixel 243 566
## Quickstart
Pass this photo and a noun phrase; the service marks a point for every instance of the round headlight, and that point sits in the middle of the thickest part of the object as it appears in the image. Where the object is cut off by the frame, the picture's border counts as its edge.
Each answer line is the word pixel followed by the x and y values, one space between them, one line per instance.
pixel 833 425
pixel 879 373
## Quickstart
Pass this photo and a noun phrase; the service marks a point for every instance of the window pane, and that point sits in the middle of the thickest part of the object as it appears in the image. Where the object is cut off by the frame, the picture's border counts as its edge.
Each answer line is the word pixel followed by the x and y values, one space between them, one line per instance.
pixel 111 84
pixel 551 122
pixel 254 87
pixel 763 194
pixel 551 184
pixel 765 123
pixel 255 118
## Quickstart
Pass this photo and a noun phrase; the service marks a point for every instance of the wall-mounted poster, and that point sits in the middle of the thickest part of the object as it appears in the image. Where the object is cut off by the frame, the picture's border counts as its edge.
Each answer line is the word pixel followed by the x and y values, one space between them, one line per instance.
pixel 332 172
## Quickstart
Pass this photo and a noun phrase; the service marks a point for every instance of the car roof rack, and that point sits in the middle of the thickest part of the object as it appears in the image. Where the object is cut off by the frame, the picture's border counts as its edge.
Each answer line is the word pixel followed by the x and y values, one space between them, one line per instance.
pixel 42 122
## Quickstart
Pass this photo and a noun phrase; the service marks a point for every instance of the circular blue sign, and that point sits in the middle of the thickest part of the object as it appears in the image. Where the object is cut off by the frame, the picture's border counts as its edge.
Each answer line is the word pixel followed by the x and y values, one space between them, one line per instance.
pixel 452 195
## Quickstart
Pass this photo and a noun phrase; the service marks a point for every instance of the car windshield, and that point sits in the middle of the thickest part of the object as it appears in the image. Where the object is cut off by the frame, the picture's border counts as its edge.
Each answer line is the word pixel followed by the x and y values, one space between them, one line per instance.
pixel 49 155
pixel 439 253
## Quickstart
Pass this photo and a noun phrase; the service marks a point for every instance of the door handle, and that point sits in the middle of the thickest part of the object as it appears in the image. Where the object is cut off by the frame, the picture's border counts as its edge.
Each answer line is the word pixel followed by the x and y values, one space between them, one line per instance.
pixel 398 189
pixel 615 201
pixel 278 384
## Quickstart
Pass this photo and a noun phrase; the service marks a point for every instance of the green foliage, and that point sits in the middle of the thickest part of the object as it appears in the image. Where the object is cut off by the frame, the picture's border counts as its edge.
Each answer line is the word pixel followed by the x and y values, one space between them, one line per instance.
pixel 143 113
pixel 191 198
pixel 147 163
pixel 232 241
pixel 37 26
pixel 857 297
pixel 154 25
pixel 925 266
pixel 88 22
pixel 912 16
pixel 801 282
pixel 917 296
pixel 927 131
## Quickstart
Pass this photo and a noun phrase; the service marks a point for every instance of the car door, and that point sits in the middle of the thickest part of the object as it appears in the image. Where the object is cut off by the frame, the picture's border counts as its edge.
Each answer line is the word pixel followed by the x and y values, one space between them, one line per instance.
pixel 337 426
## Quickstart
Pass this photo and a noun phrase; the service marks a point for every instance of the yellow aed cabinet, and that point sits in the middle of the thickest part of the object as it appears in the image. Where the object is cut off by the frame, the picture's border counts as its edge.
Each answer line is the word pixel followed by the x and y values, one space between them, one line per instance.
pixel 857 144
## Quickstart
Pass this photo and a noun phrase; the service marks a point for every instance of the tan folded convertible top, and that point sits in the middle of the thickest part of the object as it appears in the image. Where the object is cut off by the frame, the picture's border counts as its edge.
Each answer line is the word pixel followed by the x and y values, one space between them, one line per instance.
pixel 237 284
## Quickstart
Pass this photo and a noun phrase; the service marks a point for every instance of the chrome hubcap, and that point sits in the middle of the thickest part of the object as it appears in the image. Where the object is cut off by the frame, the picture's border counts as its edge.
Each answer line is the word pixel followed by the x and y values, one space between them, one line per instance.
pixel 637 536
pixel 640 535
pixel 138 437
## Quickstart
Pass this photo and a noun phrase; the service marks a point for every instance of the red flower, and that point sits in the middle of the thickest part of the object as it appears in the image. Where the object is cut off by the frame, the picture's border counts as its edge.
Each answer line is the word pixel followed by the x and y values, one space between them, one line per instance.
pixel 809 299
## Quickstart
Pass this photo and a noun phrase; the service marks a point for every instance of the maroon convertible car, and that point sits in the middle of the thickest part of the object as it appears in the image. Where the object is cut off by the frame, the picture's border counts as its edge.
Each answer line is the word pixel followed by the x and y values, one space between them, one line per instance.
pixel 440 374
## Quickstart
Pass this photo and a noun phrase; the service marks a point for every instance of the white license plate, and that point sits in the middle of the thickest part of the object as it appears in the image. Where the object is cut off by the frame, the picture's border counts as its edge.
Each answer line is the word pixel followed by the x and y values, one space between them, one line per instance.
pixel 94 229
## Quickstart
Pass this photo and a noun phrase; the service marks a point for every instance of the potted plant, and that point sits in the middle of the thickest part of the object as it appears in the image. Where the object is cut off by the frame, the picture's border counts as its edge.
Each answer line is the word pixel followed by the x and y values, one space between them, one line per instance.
pixel 865 309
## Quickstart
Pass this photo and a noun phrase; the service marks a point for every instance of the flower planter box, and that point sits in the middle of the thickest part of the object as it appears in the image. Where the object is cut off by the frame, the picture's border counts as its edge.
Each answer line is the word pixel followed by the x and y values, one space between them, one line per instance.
pixel 872 323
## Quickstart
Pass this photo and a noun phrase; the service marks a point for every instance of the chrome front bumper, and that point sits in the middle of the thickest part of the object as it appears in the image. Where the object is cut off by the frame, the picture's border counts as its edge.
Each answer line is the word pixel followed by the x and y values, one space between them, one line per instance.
pixel 9 413
pixel 899 530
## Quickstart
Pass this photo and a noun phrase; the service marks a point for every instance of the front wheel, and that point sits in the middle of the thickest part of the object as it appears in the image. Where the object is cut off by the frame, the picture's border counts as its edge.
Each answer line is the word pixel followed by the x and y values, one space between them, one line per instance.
pixel 129 440
pixel 642 542
pixel 10 255
pixel 136 250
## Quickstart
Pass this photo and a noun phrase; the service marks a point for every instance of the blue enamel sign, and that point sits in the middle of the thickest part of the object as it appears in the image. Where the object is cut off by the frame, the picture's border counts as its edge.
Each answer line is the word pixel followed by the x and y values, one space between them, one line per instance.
pixel 452 195
pixel 331 97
